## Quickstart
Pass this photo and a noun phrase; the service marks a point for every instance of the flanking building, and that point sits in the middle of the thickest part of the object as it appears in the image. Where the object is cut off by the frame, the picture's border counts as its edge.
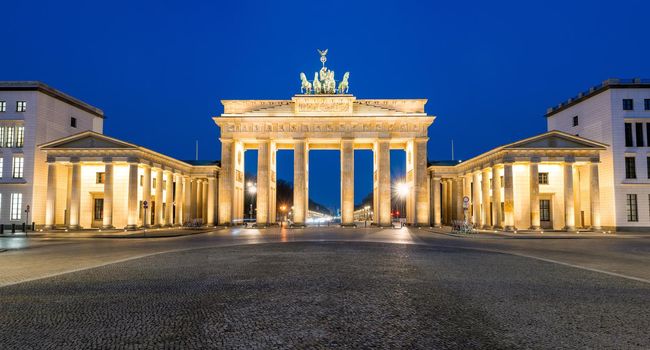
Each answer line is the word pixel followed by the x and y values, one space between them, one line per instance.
pixel 616 113
pixel 32 113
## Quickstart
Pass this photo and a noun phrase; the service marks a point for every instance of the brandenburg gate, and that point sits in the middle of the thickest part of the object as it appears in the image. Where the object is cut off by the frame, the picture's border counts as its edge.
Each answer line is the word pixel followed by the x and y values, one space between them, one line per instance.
pixel 323 118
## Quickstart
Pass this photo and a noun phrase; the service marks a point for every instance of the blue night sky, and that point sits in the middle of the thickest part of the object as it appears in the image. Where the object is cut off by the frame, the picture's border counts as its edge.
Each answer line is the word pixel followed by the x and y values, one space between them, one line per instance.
pixel 160 68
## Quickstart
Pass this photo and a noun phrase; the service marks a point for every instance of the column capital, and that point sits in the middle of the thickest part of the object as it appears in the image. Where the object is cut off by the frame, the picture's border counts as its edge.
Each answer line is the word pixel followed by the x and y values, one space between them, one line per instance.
pixel 535 159
pixel 595 160
pixel 569 159
pixel 226 140
pixel 421 139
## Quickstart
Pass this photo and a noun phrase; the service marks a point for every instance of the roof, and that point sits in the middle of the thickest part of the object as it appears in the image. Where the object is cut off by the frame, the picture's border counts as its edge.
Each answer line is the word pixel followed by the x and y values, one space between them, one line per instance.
pixel 203 162
pixel 50 91
pixel 444 162
pixel 612 83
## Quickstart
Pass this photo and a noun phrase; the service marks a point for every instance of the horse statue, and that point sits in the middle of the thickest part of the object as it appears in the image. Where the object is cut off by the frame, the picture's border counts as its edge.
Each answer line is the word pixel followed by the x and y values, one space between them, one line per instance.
pixel 305 85
pixel 329 86
pixel 343 85
pixel 317 85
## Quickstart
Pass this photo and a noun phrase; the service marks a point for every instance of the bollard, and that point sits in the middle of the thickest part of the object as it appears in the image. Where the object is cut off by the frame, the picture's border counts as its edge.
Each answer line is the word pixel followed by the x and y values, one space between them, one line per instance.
pixel 24 228
pixel 33 226
pixel 13 228
pixel 2 229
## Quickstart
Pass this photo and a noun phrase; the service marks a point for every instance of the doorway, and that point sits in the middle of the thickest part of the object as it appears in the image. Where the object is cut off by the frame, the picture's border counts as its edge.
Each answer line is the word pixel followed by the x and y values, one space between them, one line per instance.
pixel 545 214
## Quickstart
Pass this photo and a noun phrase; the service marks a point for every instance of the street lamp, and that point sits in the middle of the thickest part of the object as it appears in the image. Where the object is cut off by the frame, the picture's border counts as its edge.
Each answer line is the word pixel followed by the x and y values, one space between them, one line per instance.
pixel 252 190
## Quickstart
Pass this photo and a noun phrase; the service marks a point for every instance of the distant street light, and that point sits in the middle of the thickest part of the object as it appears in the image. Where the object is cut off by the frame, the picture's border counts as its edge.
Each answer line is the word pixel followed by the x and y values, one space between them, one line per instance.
pixel 402 189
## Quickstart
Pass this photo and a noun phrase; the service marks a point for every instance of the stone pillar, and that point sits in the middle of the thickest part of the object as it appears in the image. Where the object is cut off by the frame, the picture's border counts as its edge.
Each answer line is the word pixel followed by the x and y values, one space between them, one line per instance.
pixel 192 183
pixel 594 195
pixel 437 218
pixel 382 177
pixel 485 199
pixel 169 198
pixel 496 197
pixel 204 204
pixel 420 164
pixel 445 205
pixel 108 194
pixel 50 205
pixel 569 212
pixel 158 215
pixel 178 200
pixel 132 217
pixel 476 200
pixel 187 199
pixel 226 183
pixel 263 182
pixel 198 199
pixel 534 194
pixel 457 189
pixel 347 182
pixel 509 197
pixel 75 196
pixel 300 182
pixel 146 196
pixel 212 186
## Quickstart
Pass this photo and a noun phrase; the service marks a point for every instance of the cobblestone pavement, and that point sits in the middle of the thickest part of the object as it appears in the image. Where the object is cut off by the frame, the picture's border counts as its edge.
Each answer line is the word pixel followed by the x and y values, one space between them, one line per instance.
pixel 328 295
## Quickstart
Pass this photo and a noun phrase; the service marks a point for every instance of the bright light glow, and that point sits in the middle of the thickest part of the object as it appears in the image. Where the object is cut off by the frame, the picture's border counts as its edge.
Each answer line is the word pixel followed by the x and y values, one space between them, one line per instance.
pixel 402 189
pixel 252 189
pixel 249 184
pixel 283 207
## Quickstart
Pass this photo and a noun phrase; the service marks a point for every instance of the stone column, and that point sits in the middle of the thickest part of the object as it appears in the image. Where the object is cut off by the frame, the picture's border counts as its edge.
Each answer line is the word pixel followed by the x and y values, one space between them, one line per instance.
pixel 496 197
pixel 146 196
pixel 594 195
pixel 347 182
pixel 50 205
pixel 485 198
pixel 263 182
pixel 420 164
pixel 534 194
pixel 300 182
pixel 204 205
pixel 569 213
pixel 382 148
pixel 187 199
pixel 509 197
pixel 445 204
pixel 198 199
pixel 437 218
pixel 108 194
pixel 75 196
pixel 212 184
pixel 226 183
pixel 457 189
pixel 476 200
pixel 169 198
pixel 192 183
pixel 159 198
pixel 132 217
pixel 178 200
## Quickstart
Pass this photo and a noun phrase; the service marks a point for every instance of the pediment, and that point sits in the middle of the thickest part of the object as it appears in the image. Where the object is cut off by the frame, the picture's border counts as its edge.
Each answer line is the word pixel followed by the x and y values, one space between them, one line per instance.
pixel 555 140
pixel 88 141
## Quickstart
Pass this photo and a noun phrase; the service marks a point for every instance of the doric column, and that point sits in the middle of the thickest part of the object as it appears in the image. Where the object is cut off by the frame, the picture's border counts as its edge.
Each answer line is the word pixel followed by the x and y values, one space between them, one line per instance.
pixel 300 182
pixel 594 195
pixel 178 200
pixel 226 183
pixel 420 181
pixel 204 204
pixel 496 197
pixel 75 196
pixel 187 199
pixel 132 217
pixel 534 194
pixel 382 176
pixel 476 199
pixel 50 205
pixel 467 191
pixel 198 199
pixel 169 198
pixel 159 198
pixel 485 198
pixel 192 183
pixel 210 207
pixel 509 197
pixel 347 182
pixel 108 194
pixel 457 189
pixel 569 213
pixel 263 182
pixel 445 204
pixel 437 218
pixel 146 195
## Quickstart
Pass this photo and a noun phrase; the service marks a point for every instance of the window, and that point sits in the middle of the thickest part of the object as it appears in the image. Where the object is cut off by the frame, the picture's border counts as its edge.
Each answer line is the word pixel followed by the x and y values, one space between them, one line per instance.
pixel 630 168
pixel 10 137
pixel 100 178
pixel 628 104
pixel 575 121
pixel 628 135
pixel 73 122
pixel 21 106
pixel 98 213
pixel 16 206
pixel 639 134
pixel 545 210
pixel 18 162
pixel 543 178
pixel 3 106
pixel 632 212
pixel 646 104
pixel 1 166
pixel 20 136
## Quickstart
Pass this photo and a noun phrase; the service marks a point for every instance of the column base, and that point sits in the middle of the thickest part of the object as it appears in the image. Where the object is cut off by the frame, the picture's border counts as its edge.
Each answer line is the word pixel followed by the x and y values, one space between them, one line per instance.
pixel 107 227
pixel 535 228
pixel 596 228
pixel 131 227
pixel 510 228
pixel 569 228
pixel 74 227
pixel 48 227
pixel 487 227
pixel 497 227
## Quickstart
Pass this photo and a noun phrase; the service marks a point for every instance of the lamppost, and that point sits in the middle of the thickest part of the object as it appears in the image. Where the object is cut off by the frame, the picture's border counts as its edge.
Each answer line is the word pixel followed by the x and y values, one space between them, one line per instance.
pixel 252 190
pixel 283 209
pixel 367 211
